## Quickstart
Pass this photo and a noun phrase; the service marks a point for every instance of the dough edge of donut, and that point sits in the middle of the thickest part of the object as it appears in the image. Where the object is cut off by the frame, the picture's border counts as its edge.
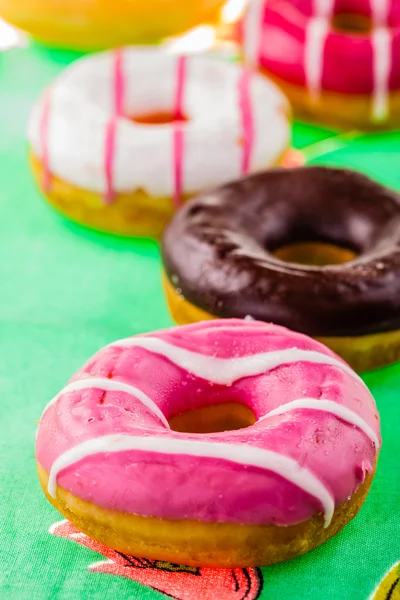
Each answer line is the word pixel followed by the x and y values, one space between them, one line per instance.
pixel 132 213
pixel 201 544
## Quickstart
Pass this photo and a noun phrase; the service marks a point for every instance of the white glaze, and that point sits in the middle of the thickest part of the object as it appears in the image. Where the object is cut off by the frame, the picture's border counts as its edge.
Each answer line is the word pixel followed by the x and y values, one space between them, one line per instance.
pixel 82 105
pixel 225 371
pixel 238 453
pixel 110 385
pixel 338 410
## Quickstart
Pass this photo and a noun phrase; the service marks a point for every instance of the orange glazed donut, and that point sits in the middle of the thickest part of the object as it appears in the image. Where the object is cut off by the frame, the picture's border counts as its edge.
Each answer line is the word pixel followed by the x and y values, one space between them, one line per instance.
pixel 337 60
pixel 227 443
pixel 97 24
pixel 122 138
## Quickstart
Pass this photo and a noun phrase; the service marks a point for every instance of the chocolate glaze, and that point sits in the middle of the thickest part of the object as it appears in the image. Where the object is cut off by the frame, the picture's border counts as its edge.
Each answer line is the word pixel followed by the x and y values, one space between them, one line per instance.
pixel 217 251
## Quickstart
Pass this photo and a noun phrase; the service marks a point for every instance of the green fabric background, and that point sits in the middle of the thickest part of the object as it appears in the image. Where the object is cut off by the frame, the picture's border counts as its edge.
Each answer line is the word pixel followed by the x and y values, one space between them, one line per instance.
pixel 64 293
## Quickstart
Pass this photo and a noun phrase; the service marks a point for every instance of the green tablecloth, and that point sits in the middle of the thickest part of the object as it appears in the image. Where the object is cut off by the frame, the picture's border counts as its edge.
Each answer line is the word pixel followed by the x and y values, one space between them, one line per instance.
pixel 64 293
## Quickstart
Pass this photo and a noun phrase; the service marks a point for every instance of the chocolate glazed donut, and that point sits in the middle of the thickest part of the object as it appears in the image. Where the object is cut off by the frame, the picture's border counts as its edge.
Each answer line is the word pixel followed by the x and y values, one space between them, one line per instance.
pixel 221 257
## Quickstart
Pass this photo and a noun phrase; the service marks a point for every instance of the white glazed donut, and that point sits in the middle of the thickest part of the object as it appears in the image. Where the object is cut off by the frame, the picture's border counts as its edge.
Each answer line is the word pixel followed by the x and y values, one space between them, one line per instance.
pixel 83 135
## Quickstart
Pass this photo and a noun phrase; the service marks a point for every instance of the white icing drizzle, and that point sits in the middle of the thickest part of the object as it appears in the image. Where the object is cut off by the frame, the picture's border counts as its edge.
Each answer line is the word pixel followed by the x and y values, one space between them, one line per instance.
pixel 380 12
pixel 253 31
pixel 324 8
pixel 382 63
pixel 110 385
pixel 340 411
pixel 316 34
pixel 237 453
pixel 382 59
pixel 225 371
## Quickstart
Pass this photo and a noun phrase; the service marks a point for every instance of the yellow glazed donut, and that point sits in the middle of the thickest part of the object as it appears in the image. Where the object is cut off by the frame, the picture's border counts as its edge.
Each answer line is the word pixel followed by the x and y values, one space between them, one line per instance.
pixel 122 138
pixel 227 443
pixel 97 24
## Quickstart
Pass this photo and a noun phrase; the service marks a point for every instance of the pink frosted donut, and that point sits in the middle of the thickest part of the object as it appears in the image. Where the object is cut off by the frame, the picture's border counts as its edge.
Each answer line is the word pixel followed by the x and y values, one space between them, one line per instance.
pixel 334 50
pixel 110 462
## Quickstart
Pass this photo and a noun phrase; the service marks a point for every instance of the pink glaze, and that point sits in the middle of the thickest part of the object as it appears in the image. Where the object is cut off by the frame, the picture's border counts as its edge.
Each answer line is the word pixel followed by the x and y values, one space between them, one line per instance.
pixel 178 139
pixel 171 483
pixel 246 111
pixel 119 83
pixel 280 35
pixel 44 128
pixel 111 130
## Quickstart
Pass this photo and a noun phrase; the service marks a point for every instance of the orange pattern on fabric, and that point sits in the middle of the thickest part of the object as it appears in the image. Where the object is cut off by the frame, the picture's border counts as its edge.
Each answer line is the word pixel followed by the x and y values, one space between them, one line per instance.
pixel 176 581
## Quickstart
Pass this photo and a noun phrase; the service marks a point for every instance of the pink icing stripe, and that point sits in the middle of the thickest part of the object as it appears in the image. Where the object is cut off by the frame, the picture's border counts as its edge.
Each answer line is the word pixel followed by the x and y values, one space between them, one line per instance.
pixel 44 142
pixel 111 130
pixel 178 139
pixel 181 69
pixel 109 195
pixel 119 83
pixel 178 157
pixel 246 111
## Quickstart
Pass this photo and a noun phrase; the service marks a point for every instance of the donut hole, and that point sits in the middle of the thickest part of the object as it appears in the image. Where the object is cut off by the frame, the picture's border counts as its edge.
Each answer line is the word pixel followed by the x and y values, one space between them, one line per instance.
pixel 159 118
pixel 228 416
pixel 352 23
pixel 317 254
